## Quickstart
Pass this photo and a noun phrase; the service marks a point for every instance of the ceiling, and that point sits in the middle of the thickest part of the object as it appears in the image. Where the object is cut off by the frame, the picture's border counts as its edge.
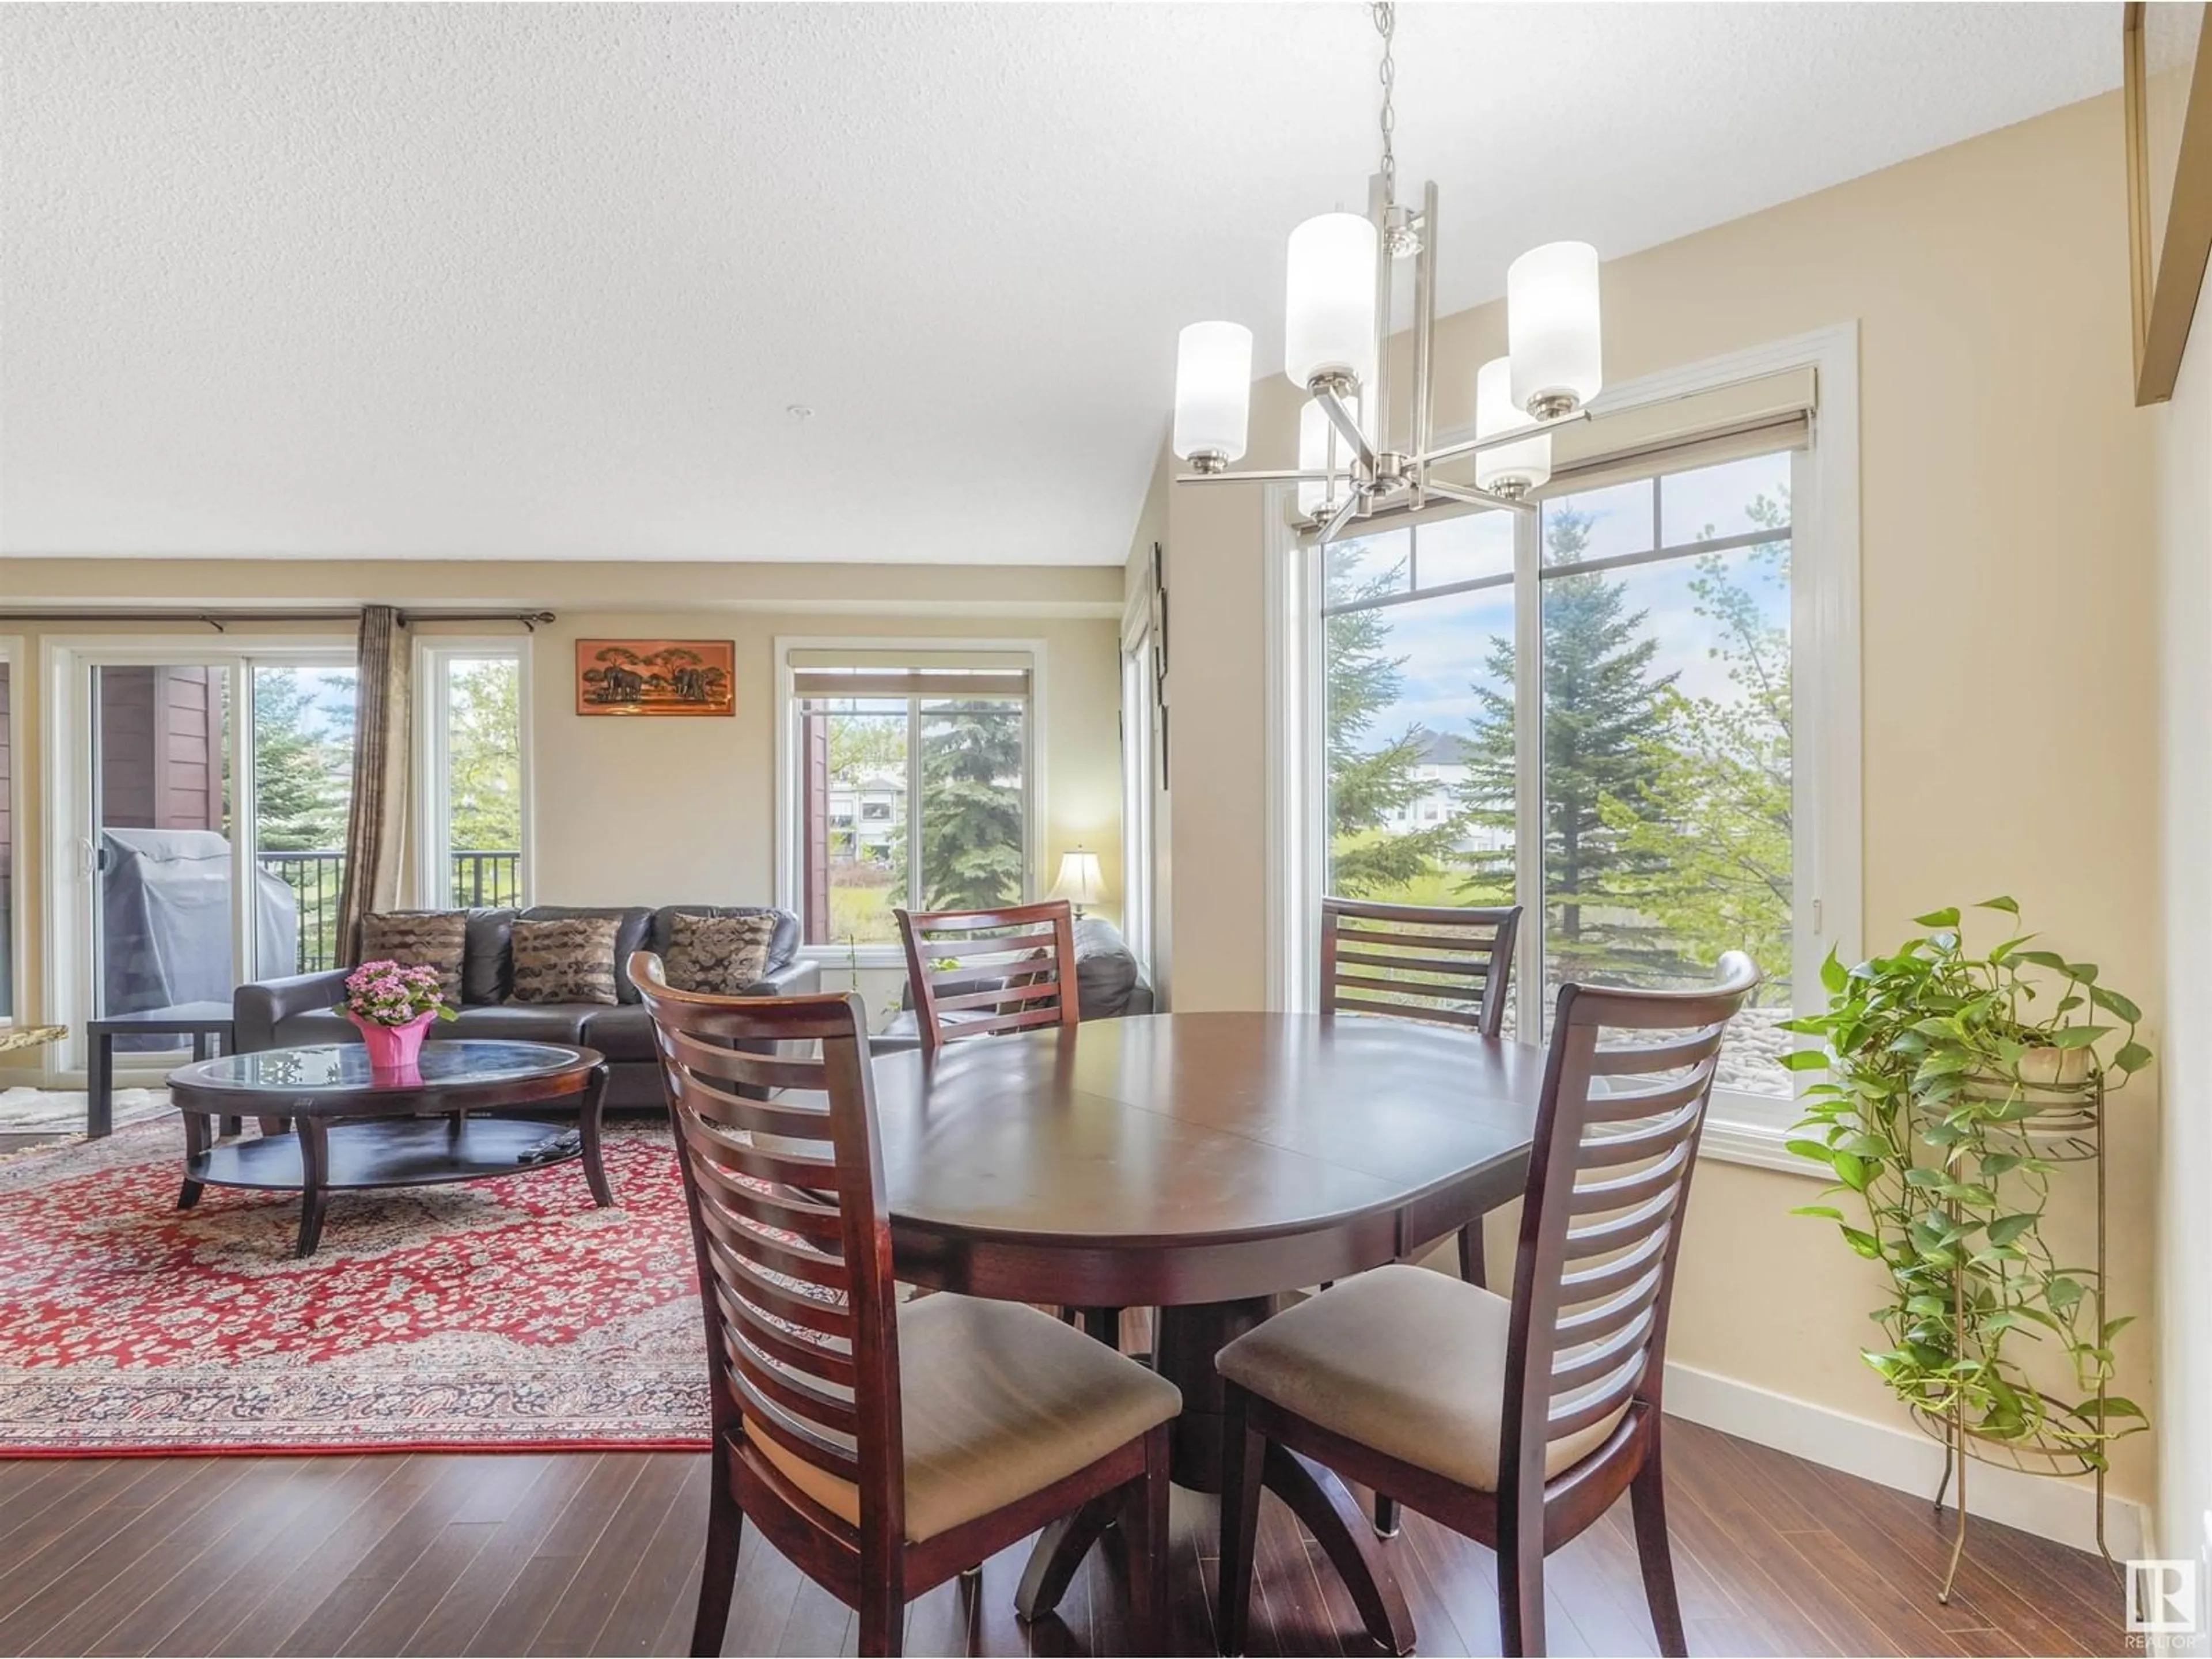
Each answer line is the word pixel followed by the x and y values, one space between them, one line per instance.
pixel 545 282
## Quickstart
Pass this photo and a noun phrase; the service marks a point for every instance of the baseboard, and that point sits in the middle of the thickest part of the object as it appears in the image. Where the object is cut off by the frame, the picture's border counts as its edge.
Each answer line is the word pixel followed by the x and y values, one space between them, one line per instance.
pixel 1900 1457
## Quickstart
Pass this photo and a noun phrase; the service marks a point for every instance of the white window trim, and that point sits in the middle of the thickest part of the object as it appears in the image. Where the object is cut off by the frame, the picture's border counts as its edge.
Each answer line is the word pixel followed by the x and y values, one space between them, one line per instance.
pixel 1827 751
pixel 11 653
pixel 787 894
pixel 1140 787
pixel 434 652
pixel 65 662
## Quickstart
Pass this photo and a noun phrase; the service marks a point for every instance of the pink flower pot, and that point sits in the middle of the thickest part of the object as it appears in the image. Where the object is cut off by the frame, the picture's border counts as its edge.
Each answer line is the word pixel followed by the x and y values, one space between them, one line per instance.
pixel 393 1048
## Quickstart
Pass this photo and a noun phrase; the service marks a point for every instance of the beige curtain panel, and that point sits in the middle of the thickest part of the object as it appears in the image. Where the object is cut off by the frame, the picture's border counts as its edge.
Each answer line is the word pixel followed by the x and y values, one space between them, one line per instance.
pixel 376 826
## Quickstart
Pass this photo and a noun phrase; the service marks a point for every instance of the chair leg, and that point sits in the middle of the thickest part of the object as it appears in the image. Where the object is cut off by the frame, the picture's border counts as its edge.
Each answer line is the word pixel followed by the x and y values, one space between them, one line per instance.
pixel 883 1620
pixel 726 1527
pixel 1386 1516
pixel 1471 1267
pixel 1521 1590
pixel 1144 1529
pixel 1104 1325
pixel 1647 1497
pixel 1243 1457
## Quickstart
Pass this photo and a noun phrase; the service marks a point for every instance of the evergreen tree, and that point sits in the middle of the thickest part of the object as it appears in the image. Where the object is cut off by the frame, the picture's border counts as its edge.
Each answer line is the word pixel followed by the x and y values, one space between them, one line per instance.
pixel 1600 709
pixel 1367 785
pixel 971 806
pixel 301 773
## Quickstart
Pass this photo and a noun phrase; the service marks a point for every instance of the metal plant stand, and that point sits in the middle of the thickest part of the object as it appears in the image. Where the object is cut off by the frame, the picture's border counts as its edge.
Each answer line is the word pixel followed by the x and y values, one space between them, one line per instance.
pixel 2071 1130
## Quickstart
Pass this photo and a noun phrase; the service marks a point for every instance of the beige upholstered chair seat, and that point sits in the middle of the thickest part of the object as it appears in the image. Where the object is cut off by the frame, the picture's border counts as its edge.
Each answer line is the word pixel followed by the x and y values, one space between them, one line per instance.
pixel 1405 1360
pixel 999 1401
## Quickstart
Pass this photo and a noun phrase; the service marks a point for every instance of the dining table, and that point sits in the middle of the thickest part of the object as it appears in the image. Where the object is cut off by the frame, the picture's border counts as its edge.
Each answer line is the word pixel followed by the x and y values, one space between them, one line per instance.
pixel 1205 1166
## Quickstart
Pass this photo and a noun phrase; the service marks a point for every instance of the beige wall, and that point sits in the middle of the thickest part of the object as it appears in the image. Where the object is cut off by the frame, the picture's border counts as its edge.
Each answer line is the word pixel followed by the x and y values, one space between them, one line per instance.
pixel 2184 1160
pixel 652 810
pixel 2008 632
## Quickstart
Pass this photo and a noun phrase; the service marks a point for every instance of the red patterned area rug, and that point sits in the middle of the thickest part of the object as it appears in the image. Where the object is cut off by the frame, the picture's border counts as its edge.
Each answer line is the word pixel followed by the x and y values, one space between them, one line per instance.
pixel 508 1314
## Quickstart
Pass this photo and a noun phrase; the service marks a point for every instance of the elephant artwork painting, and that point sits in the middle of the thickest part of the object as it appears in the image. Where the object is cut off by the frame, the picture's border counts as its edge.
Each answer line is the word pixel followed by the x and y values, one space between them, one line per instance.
pixel 655 676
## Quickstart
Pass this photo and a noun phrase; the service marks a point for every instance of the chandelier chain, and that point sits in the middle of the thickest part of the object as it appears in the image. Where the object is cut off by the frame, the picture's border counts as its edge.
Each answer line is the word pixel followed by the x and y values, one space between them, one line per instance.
pixel 1386 24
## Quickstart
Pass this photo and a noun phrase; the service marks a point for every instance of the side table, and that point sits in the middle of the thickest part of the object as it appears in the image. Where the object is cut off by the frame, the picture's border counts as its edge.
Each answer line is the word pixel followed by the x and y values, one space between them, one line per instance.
pixel 199 1021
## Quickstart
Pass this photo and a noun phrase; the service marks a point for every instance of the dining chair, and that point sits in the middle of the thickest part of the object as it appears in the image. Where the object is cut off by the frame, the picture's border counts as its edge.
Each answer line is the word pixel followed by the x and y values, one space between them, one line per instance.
pixel 1516 1424
pixel 973 973
pixel 882 1447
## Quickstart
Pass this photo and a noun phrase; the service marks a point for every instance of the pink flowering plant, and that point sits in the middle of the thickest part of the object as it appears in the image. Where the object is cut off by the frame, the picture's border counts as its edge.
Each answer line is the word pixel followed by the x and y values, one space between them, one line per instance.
pixel 388 993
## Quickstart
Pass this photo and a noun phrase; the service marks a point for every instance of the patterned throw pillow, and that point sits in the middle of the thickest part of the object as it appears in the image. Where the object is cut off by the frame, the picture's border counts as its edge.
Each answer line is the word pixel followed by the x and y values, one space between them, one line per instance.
pixel 721 955
pixel 569 960
pixel 419 939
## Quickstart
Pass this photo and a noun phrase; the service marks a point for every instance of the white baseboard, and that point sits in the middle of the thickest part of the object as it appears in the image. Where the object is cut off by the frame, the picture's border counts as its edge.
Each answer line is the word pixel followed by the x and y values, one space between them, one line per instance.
pixel 1900 1457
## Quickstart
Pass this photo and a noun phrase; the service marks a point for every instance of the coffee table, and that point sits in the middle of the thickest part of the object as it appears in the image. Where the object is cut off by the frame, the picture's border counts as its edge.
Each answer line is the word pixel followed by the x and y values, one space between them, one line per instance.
pixel 352 1128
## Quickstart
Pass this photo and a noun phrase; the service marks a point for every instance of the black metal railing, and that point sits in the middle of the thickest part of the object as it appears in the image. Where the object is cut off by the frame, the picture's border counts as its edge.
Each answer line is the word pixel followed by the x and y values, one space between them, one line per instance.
pixel 318 876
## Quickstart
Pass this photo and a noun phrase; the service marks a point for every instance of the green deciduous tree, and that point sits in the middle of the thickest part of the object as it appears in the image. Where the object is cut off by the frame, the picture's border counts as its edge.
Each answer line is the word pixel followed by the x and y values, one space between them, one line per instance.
pixel 1368 783
pixel 484 756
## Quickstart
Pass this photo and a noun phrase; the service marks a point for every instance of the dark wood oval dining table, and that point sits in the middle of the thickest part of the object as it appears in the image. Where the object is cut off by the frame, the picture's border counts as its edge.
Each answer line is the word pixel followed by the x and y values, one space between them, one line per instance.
pixel 1204 1165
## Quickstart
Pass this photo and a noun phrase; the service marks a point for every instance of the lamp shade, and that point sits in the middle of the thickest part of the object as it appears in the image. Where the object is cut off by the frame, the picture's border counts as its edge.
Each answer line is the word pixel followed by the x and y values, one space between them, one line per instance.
pixel 1329 304
pixel 1551 327
pixel 1081 882
pixel 1213 390
pixel 1315 431
pixel 1509 469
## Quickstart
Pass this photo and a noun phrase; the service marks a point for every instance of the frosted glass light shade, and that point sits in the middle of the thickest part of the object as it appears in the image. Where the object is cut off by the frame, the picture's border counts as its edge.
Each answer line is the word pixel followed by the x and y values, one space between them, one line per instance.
pixel 1314 430
pixel 1552 325
pixel 1509 467
pixel 1328 302
pixel 1213 390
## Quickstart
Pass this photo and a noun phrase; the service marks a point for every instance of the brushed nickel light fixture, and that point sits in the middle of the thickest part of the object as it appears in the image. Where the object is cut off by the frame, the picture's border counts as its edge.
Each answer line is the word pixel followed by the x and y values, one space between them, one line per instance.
pixel 1352 464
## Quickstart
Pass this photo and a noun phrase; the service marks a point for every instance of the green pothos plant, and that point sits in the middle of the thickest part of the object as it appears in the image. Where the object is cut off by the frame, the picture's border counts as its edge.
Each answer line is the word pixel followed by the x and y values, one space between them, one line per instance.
pixel 1952 1079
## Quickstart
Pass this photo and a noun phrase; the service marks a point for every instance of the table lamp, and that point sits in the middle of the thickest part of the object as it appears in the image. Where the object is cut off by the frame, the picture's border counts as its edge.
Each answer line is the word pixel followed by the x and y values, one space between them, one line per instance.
pixel 1080 882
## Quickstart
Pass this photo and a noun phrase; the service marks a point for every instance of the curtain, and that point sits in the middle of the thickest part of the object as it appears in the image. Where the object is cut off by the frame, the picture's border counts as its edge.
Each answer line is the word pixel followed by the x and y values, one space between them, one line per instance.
pixel 376 826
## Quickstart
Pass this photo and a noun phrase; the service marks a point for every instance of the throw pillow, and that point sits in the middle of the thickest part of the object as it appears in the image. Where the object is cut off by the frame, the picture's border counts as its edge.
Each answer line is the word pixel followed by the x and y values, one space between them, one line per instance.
pixel 720 955
pixel 569 960
pixel 419 939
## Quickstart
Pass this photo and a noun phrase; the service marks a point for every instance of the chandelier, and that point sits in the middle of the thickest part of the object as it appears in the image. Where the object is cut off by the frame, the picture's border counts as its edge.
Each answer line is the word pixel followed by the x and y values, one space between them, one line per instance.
pixel 1353 464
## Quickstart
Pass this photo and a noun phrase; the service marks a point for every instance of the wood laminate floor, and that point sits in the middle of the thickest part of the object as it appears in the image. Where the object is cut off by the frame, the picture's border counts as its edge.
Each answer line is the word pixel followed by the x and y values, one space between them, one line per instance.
pixel 599 1553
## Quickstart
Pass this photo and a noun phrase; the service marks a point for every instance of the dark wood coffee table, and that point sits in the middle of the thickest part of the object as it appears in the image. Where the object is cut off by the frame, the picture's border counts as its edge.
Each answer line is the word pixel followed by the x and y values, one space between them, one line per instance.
pixel 355 1128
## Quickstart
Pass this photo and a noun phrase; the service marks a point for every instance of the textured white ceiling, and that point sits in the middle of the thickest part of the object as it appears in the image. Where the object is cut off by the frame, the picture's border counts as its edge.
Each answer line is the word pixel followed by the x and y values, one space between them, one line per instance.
pixel 541 281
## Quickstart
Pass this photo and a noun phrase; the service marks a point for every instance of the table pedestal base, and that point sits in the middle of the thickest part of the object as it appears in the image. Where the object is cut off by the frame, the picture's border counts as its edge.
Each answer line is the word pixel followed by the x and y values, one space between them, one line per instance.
pixel 1186 1341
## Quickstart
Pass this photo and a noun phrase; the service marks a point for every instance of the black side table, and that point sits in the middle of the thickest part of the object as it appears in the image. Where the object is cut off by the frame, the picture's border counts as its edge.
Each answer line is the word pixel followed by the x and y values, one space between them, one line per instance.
pixel 198 1020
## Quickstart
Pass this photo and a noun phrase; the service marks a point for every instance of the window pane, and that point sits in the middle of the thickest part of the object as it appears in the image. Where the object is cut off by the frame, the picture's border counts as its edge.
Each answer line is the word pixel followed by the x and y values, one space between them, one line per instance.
pixel 1666 783
pixel 483 780
pixel 302 757
pixel 1598 523
pixel 1732 499
pixel 973 841
pixel 860 818
pixel 1464 549
pixel 1369 567
pixel 161 779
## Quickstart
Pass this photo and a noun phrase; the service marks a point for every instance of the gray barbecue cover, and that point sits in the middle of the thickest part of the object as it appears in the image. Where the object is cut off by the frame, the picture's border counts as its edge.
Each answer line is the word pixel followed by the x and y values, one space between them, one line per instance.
pixel 165 912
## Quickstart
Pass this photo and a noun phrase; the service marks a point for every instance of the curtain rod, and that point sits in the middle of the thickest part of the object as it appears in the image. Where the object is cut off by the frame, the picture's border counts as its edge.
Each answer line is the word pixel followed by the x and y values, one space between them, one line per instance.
pixel 219 620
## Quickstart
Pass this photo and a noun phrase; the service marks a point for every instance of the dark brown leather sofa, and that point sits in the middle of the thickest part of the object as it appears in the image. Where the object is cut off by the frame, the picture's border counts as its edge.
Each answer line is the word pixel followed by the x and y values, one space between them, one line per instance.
pixel 285 1012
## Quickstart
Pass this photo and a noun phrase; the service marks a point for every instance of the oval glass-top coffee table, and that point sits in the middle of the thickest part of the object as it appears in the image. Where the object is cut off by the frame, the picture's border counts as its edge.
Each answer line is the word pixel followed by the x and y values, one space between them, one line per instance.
pixel 352 1126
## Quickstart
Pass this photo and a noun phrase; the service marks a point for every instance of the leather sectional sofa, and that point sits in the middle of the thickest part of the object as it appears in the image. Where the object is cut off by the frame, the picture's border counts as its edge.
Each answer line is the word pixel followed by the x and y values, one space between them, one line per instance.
pixel 284 1013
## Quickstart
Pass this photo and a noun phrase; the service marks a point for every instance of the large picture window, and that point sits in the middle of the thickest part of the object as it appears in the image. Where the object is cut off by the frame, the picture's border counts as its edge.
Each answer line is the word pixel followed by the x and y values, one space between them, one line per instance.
pixel 911 785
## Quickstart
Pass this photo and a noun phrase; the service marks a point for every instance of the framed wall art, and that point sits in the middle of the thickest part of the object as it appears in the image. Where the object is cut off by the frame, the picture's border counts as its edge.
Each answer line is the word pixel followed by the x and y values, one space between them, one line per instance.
pixel 656 677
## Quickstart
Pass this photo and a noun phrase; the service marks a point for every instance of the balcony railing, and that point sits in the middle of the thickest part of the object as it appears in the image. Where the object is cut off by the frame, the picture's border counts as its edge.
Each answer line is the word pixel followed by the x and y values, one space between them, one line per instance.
pixel 316 877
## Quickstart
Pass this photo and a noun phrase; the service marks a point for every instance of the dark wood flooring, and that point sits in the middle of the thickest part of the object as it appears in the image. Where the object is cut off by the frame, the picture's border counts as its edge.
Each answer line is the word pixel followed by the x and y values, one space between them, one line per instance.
pixel 599 1553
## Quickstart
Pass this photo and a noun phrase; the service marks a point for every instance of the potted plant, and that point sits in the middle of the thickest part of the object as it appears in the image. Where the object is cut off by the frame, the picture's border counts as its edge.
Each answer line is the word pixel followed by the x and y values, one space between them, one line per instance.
pixel 1958 1083
pixel 391 1006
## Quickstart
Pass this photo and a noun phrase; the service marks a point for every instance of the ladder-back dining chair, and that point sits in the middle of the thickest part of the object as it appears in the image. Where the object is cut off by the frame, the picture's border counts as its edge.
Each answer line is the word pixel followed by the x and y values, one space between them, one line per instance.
pixel 1516 1424
pixel 881 1448
pixel 1463 959
pixel 972 973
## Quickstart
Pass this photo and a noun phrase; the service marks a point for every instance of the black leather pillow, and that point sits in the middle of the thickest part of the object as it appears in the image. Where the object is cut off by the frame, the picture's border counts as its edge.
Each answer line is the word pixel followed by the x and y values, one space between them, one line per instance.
pixel 569 960
pixel 419 939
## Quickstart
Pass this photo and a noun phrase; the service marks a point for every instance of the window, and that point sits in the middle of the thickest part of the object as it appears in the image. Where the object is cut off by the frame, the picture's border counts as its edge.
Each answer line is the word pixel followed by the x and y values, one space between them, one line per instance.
pixel 909 779
pixel 300 752
pixel 1633 712
pixel 6 841
pixel 473 789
